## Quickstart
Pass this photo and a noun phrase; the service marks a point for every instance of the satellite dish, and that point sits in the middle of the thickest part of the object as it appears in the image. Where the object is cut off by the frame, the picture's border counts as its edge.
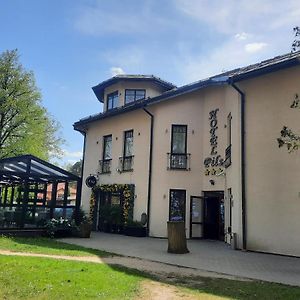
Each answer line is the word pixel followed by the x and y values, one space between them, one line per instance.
pixel 91 181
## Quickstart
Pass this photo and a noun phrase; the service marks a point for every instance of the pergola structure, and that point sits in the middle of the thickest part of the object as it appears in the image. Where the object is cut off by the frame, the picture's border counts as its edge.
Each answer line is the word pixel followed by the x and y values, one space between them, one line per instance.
pixel 24 201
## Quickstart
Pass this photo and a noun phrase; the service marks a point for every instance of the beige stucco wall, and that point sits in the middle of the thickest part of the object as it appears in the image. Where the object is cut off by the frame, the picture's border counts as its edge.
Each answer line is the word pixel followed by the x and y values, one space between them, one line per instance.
pixel 193 110
pixel 140 123
pixel 272 184
pixel 152 90
pixel 272 174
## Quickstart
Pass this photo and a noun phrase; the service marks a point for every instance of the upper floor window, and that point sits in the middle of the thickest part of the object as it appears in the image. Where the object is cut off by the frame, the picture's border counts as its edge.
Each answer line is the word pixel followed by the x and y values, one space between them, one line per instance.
pixel 179 139
pixel 107 141
pixel 227 162
pixel 106 156
pixel 112 100
pixel 229 118
pixel 126 162
pixel 133 95
pixel 179 158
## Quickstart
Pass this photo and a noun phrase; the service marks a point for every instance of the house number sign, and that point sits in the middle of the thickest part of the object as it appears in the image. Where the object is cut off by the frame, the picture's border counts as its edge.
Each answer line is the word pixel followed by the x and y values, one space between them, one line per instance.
pixel 214 161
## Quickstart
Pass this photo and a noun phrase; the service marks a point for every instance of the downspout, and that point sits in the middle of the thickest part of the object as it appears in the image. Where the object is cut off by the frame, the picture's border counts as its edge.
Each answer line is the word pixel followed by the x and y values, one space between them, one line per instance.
pixel 79 189
pixel 243 158
pixel 150 168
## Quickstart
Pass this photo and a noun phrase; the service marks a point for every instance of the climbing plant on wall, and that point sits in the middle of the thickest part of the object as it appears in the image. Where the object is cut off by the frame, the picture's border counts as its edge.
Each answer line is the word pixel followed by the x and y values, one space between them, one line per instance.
pixel 126 191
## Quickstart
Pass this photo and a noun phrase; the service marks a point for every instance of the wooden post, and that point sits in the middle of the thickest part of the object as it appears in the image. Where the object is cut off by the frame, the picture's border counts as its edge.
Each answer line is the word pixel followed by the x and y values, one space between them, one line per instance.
pixel 176 237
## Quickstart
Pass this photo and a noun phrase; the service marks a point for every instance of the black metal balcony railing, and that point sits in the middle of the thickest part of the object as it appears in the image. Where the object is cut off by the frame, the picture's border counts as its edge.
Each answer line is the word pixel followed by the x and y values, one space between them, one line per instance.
pixel 126 163
pixel 178 161
pixel 105 166
pixel 227 162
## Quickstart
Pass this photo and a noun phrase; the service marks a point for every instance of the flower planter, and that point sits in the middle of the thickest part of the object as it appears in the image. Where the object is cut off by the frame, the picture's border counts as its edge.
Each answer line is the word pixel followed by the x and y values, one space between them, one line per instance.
pixel 135 231
pixel 85 230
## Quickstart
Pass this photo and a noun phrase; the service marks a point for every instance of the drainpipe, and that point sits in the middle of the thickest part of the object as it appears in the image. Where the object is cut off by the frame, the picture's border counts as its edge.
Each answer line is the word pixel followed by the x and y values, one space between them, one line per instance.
pixel 244 228
pixel 79 189
pixel 150 168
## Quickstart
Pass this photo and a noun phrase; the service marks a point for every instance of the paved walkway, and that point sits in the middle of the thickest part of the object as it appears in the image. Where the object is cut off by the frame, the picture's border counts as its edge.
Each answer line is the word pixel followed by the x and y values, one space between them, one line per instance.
pixel 204 255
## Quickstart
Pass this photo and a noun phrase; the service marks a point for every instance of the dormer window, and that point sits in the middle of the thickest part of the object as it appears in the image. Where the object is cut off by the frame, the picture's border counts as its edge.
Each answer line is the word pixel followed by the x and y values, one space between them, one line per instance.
pixel 112 100
pixel 134 95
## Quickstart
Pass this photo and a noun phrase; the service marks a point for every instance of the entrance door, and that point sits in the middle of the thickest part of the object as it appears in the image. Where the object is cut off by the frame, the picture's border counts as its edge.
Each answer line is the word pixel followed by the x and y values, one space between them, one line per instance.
pixel 214 215
pixel 196 216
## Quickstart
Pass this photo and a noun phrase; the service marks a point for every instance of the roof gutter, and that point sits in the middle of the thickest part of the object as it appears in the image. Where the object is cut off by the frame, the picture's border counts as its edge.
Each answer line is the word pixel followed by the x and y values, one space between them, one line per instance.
pixel 150 168
pixel 243 156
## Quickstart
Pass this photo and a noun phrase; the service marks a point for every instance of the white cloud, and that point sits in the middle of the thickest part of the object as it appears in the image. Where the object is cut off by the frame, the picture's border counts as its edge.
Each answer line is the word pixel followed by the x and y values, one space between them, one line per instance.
pixel 255 47
pixel 116 71
pixel 242 15
pixel 242 36
pixel 72 154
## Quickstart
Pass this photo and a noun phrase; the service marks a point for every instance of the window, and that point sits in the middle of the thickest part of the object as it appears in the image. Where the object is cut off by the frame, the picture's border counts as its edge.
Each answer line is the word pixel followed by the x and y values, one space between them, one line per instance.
pixel 127 159
pixel 128 143
pixel 107 140
pixel 179 139
pixel 227 162
pixel 133 95
pixel 229 118
pixel 177 205
pixel 112 100
pixel 106 157
pixel 178 157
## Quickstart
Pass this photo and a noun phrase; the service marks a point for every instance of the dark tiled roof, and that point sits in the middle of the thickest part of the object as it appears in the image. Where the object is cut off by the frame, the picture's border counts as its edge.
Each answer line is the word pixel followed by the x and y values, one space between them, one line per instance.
pixel 239 74
pixel 99 88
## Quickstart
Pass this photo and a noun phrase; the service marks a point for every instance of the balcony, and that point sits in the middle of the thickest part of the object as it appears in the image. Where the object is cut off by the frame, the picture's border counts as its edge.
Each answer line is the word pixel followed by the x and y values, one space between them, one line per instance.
pixel 126 163
pixel 178 161
pixel 105 166
pixel 227 161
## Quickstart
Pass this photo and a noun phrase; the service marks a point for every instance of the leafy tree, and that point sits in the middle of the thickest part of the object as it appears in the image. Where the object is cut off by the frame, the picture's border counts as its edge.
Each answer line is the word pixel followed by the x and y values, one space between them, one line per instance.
pixel 75 168
pixel 296 42
pixel 25 125
pixel 287 137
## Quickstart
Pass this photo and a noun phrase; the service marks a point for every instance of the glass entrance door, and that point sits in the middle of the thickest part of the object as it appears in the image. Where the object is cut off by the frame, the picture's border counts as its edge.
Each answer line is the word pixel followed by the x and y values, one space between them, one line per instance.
pixel 196 216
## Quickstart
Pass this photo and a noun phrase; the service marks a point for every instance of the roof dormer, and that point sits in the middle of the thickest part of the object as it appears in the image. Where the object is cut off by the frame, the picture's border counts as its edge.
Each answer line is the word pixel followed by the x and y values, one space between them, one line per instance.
pixel 121 90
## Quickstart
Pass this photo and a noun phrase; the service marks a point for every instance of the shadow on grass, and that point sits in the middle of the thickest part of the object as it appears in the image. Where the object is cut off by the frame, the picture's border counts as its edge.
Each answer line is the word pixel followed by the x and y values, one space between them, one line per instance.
pixel 47 246
pixel 229 289
pixel 232 289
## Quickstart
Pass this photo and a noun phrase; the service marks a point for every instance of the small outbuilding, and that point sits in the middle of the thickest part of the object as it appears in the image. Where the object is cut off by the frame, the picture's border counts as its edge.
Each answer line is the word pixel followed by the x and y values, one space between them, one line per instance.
pixel 25 183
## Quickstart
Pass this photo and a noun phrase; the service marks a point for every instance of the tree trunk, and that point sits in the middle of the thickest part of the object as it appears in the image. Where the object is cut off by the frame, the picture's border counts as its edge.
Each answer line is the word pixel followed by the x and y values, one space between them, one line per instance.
pixel 176 238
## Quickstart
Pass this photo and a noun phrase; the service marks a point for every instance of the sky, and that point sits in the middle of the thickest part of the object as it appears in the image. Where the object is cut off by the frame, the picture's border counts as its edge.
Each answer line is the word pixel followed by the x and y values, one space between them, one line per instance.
pixel 72 45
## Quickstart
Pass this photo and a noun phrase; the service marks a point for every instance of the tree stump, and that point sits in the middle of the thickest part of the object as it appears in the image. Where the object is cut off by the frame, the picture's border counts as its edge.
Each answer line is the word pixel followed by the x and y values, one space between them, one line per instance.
pixel 176 237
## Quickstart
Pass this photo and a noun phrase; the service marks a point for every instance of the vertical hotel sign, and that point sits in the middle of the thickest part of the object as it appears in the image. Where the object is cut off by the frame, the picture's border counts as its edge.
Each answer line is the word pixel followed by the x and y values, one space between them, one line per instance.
pixel 214 162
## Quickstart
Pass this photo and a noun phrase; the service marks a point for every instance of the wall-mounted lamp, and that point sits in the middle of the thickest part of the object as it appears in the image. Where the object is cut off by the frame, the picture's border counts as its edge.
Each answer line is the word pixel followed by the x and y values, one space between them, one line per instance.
pixel 212 182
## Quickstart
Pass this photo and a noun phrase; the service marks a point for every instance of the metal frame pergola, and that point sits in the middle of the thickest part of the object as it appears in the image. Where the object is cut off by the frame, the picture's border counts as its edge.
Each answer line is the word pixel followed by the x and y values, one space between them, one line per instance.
pixel 25 182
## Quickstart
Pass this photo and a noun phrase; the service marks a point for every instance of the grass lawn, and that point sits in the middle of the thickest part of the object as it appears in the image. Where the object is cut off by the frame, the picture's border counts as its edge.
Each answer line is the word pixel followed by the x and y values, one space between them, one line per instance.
pixel 44 278
pixel 46 246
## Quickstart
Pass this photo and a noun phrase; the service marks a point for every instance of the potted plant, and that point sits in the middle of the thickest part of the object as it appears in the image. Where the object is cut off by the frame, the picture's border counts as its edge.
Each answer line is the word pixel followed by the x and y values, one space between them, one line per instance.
pixel 83 224
pixel 58 228
pixel 135 228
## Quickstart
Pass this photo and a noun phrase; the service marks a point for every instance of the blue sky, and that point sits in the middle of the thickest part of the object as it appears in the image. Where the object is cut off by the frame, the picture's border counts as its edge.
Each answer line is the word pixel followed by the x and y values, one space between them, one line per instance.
pixel 72 45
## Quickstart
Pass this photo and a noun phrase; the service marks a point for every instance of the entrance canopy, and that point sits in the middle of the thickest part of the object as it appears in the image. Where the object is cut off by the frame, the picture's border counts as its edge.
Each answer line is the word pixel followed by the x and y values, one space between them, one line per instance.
pixel 32 191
